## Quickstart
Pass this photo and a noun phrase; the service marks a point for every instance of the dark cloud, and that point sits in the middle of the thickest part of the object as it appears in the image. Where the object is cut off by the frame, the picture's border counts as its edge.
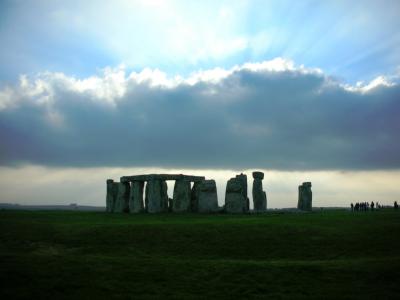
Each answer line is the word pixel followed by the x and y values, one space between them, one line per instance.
pixel 291 120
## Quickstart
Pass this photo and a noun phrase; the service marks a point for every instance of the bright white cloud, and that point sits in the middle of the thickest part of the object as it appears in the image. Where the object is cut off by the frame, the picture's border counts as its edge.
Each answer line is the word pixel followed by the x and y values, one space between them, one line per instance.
pixel 361 87
pixel 112 84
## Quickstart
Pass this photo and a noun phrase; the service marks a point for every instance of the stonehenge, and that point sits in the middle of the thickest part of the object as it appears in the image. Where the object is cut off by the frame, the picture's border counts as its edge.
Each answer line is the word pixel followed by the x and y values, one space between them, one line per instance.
pixel 182 196
pixel 305 197
pixel 112 189
pixel 136 197
pixel 122 200
pixel 236 195
pixel 149 194
pixel 156 197
pixel 259 196
pixel 204 197
pixel 127 195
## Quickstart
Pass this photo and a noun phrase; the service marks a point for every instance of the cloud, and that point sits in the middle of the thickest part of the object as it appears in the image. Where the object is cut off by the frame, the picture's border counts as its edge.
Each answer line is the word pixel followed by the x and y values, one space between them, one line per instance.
pixel 272 115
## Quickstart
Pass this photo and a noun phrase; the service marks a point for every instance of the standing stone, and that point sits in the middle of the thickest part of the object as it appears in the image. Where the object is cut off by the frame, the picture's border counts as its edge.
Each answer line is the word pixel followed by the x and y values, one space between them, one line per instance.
pixel 156 196
pixel 259 196
pixel 300 198
pixel 207 199
pixel 110 196
pixel 169 204
pixel 136 197
pixel 122 201
pixel 181 198
pixel 243 179
pixel 235 201
pixel 305 197
pixel 164 196
pixel 194 197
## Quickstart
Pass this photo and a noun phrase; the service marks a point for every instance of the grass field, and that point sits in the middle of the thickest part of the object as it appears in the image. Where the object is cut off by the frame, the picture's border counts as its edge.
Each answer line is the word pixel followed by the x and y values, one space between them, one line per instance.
pixel 330 254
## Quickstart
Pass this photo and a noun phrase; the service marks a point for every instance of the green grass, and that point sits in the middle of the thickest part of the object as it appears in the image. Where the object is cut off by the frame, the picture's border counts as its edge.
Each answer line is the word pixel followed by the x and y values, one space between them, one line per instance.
pixel 330 255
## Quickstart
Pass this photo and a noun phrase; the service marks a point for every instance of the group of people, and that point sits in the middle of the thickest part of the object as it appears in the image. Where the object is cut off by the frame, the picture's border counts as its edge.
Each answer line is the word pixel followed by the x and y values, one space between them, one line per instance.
pixel 365 206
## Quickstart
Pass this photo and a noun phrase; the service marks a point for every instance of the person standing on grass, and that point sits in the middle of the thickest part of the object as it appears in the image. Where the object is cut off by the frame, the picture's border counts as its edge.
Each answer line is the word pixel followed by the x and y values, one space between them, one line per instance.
pixel 372 205
pixel 396 206
pixel 352 206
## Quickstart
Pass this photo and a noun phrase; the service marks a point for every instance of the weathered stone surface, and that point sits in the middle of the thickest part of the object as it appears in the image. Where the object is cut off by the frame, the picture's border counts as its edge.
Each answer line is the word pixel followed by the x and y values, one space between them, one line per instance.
pixel 122 199
pixel 243 179
pixel 164 195
pixel 194 197
pixel 258 175
pixel 259 196
pixel 136 197
pixel 305 197
pixel 235 201
pixel 162 177
pixel 205 194
pixel 110 196
pixel 182 195
pixel 169 204
pixel 156 196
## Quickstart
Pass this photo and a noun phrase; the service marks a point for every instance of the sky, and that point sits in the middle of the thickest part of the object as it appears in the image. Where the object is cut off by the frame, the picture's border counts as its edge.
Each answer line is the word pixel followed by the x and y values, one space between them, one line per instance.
pixel 301 90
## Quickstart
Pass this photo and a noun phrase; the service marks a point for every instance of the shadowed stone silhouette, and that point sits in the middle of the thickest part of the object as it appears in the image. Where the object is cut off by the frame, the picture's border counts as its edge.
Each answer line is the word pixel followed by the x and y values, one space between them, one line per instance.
pixel 136 197
pixel 204 197
pixel 127 195
pixel 182 196
pixel 243 178
pixel 122 200
pixel 112 190
pixel 161 177
pixel 156 196
pixel 236 196
pixel 305 197
pixel 259 196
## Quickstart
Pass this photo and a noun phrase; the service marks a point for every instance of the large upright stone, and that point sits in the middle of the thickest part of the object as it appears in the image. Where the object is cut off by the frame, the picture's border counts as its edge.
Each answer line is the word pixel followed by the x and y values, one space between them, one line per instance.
pixel 194 196
pixel 204 197
pixel 181 198
pixel 235 201
pixel 305 197
pixel 122 201
pixel 259 196
pixel 110 195
pixel 136 197
pixel 156 196
pixel 243 179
